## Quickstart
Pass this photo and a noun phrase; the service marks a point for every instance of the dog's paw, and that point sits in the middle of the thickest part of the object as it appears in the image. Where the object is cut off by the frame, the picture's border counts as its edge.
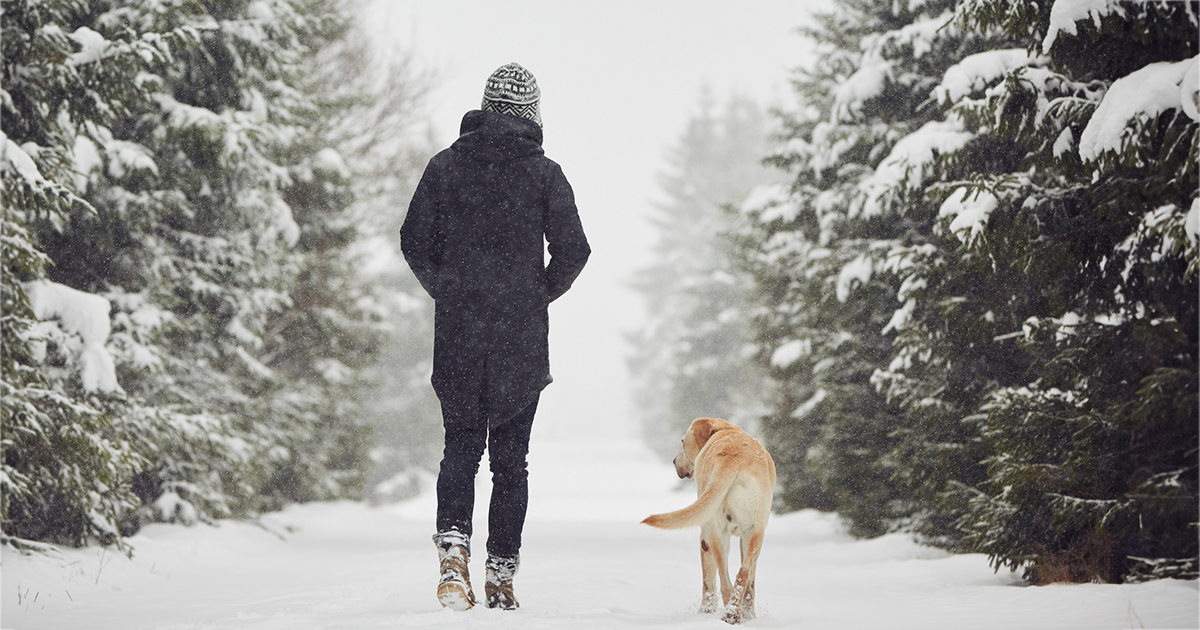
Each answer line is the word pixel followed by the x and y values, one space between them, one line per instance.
pixel 709 604
pixel 735 615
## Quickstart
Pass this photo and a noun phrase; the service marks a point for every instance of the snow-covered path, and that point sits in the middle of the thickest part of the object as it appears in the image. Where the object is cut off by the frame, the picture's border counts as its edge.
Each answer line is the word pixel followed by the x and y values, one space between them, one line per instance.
pixel 586 563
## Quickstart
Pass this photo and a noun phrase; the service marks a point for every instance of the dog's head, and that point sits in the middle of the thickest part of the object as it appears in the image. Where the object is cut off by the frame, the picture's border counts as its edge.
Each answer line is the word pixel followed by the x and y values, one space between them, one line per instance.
pixel 696 437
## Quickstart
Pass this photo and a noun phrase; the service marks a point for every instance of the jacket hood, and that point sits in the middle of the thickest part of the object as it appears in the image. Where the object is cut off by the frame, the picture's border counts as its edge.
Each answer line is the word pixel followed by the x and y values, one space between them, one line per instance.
pixel 493 137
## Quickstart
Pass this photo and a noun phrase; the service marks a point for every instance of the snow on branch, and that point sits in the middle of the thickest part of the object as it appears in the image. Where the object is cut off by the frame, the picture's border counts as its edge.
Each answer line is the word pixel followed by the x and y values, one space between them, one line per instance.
pixel 858 270
pixel 14 158
pixel 789 352
pixel 772 201
pixel 1065 13
pixel 83 314
pixel 866 83
pixel 970 209
pixel 1165 232
pixel 93 47
pixel 1142 95
pixel 875 66
pixel 976 72
pixel 905 165
pixel 1192 223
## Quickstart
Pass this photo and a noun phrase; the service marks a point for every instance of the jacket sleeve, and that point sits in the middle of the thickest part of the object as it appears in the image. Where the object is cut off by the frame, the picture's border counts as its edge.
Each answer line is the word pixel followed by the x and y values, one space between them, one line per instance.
pixel 419 240
pixel 567 244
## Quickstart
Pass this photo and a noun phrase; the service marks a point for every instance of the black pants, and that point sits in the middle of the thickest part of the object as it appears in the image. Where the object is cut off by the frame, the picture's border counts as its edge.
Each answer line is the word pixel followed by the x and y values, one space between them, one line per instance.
pixel 507 447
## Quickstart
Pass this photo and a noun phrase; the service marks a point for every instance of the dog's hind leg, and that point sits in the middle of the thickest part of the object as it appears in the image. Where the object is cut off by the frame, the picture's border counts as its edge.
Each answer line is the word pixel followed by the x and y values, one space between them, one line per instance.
pixel 742 607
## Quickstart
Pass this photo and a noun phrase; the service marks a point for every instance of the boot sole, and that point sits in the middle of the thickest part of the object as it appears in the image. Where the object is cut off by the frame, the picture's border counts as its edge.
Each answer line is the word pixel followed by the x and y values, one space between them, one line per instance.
pixel 454 596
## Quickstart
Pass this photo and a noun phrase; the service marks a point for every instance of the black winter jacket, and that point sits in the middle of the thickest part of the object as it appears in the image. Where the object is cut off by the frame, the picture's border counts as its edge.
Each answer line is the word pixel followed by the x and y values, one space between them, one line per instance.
pixel 474 239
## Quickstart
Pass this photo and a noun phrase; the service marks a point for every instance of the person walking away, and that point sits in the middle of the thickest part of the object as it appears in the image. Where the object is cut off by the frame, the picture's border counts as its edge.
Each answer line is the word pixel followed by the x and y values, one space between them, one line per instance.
pixel 484 214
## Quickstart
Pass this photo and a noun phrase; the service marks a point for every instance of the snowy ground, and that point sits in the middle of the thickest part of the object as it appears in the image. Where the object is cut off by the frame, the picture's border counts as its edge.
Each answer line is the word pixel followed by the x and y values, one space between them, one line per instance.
pixel 587 563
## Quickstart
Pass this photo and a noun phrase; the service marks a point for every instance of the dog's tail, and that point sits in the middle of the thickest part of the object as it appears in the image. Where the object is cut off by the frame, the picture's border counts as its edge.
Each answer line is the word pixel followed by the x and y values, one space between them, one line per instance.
pixel 702 510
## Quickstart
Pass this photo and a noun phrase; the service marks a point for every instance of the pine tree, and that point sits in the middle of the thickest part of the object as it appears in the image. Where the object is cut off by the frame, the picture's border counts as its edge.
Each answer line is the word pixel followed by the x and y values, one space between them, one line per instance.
pixel 826 252
pixel 1092 472
pixel 382 132
pixel 1020 206
pixel 691 359
pixel 209 261
pixel 66 465
pixel 177 164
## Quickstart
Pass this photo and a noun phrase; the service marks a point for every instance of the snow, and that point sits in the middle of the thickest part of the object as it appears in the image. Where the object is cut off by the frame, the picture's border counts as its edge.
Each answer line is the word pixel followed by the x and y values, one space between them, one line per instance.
pixel 83 314
pixel 1189 91
pixel 238 331
pixel 1066 325
pixel 1192 222
pixel 1143 94
pixel 906 163
pixel 281 223
pixel 970 212
pixel 1065 13
pixel 587 563
pixel 285 223
pixel 829 142
pixel 772 200
pixel 875 70
pixel 866 83
pixel 328 159
pixel 791 351
pixel 253 364
pixel 976 72
pixel 334 371
pixel 15 158
pixel 92 46
pixel 900 317
pixel 1065 142
pixel 126 157
pixel 922 33
pixel 859 269
pixel 87 159
pixel 182 115
pixel 810 404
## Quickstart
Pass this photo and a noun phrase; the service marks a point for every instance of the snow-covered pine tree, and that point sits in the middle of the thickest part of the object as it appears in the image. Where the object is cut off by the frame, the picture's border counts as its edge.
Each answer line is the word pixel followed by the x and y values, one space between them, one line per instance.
pixel 825 251
pixel 943 363
pixel 66 467
pixel 381 130
pixel 693 358
pixel 199 167
pixel 1082 223
pixel 331 330
pixel 200 254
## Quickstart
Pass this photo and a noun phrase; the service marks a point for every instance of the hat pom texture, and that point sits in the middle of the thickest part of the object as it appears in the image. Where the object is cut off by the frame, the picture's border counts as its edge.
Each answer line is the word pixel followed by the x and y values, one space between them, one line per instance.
pixel 512 90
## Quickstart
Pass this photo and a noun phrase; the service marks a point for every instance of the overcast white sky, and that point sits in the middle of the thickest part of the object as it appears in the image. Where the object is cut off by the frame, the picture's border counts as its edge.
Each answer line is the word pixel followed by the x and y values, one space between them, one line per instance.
pixel 619 80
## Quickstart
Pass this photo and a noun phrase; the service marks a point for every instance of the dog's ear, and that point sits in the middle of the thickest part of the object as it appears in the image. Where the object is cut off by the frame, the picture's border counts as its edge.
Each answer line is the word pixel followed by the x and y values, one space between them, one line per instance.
pixel 702 429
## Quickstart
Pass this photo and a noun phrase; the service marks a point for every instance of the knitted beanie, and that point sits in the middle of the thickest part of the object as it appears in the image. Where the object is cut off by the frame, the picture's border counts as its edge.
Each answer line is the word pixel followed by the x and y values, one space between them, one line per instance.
pixel 512 90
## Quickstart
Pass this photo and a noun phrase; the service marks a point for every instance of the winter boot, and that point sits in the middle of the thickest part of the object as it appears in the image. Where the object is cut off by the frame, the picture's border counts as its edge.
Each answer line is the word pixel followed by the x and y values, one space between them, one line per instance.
pixel 499 587
pixel 454 553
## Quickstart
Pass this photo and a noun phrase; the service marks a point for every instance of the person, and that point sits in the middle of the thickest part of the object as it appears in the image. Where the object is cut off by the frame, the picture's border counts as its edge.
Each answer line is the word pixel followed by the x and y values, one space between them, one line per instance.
pixel 486 211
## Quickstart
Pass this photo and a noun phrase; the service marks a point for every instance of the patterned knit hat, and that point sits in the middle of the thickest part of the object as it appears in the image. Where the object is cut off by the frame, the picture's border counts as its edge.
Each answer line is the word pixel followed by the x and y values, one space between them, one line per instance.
pixel 512 90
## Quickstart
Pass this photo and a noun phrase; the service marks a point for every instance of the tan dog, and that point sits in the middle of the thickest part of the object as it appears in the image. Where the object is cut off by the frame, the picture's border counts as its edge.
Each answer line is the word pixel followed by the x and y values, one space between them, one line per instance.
pixel 735 477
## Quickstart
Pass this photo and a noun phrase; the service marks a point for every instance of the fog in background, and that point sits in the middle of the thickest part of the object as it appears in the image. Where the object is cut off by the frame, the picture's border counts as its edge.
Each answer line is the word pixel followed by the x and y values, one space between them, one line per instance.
pixel 619 81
